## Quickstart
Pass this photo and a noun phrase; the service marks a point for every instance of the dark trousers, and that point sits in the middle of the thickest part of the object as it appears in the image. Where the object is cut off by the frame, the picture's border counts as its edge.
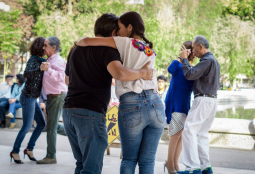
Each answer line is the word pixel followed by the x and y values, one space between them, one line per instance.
pixel 4 104
pixel 54 107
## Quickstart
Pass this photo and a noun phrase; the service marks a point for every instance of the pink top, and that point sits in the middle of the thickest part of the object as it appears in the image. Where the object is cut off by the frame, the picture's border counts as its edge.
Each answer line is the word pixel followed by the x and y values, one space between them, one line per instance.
pixel 54 78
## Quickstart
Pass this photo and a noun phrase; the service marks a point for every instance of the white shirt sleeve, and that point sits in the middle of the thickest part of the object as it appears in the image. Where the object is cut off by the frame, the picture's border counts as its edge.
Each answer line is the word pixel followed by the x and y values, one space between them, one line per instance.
pixel 122 44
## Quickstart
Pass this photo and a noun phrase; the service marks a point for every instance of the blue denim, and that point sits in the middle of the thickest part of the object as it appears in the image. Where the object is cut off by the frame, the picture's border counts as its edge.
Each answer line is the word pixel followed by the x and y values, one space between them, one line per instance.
pixel 30 111
pixel 12 109
pixel 141 123
pixel 87 134
pixel 4 103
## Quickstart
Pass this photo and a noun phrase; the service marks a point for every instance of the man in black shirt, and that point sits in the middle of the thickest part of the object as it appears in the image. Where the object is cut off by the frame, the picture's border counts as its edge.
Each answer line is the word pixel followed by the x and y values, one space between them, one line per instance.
pixel 89 73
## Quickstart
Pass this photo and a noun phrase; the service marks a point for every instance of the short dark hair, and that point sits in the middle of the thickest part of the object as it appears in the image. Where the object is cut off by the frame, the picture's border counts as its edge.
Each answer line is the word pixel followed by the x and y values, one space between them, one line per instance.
pixel 161 78
pixel 137 23
pixel 54 41
pixel 105 25
pixel 36 47
pixel 21 79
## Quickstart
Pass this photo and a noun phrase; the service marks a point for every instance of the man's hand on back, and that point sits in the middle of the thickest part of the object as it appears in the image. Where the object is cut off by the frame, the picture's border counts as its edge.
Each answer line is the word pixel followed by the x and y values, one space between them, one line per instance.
pixel 147 72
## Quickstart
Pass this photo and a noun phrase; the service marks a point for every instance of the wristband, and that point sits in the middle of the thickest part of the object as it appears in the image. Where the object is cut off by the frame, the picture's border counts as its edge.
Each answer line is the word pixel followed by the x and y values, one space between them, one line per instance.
pixel 180 58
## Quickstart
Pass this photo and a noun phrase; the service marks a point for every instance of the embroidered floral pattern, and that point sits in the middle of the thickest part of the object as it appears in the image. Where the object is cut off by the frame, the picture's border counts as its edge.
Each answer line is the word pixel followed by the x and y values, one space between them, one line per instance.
pixel 142 46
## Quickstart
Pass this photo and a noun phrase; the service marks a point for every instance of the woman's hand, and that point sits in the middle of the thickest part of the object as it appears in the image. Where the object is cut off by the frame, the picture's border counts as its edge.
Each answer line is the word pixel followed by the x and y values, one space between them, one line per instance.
pixel 184 52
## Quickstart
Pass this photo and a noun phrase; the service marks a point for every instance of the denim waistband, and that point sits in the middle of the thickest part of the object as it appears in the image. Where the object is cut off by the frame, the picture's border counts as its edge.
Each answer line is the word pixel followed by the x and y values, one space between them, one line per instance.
pixel 144 93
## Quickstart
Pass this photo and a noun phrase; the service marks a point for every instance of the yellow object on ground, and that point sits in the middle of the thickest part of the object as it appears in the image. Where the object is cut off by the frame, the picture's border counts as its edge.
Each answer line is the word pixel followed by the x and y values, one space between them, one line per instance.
pixel 112 124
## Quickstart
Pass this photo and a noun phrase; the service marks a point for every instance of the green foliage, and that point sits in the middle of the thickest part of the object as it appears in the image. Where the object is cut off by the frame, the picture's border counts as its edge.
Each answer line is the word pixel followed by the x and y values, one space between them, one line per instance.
pixel 228 25
pixel 9 36
pixel 245 9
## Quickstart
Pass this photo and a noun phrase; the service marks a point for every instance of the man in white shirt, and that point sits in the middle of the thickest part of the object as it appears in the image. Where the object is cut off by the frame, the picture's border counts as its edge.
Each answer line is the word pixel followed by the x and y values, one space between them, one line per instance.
pixel 5 94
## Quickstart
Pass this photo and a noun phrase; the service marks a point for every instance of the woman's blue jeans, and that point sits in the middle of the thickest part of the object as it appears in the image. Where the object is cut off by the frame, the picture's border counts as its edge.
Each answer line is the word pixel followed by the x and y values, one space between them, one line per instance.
pixel 30 111
pixel 12 109
pixel 141 123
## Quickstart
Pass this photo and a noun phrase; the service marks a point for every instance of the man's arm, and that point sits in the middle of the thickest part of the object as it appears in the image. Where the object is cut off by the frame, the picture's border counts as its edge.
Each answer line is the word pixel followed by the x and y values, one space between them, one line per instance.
pixel 119 72
pixel 97 41
pixel 67 80
pixel 55 74
pixel 194 73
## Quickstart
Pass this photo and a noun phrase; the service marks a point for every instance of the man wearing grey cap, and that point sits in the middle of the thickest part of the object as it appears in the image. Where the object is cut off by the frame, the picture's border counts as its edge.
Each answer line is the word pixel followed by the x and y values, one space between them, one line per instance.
pixel 5 94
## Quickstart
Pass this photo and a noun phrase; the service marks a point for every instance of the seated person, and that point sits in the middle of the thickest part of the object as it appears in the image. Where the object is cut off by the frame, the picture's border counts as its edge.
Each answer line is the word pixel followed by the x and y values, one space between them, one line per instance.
pixel 162 89
pixel 14 99
pixel 5 94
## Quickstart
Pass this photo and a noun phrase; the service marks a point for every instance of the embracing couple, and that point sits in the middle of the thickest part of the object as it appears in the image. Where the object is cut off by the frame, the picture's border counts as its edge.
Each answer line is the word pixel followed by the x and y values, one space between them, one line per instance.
pixel 91 65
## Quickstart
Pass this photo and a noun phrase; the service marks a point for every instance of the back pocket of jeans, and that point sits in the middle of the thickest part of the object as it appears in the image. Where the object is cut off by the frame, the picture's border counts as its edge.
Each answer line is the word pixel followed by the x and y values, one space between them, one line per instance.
pixel 83 125
pixel 160 112
pixel 131 117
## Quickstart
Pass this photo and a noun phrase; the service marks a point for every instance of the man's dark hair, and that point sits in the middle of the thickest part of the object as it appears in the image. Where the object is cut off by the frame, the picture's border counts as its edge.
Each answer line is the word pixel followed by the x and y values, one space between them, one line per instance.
pixel 105 25
pixel 161 78
pixel 36 48
pixel 21 79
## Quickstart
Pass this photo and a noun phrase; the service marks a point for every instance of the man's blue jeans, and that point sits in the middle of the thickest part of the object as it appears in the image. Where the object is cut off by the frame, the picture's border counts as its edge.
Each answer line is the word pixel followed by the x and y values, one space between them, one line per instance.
pixel 30 111
pixel 12 109
pixel 87 134
pixel 4 103
pixel 141 122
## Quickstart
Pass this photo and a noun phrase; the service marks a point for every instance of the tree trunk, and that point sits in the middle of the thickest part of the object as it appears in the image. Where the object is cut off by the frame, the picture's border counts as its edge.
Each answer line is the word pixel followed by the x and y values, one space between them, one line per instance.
pixel 21 68
pixel 5 69
pixel 70 8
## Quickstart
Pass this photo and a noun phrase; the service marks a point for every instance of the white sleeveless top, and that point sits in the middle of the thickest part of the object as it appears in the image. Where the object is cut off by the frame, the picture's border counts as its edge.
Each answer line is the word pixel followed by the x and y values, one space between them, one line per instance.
pixel 135 54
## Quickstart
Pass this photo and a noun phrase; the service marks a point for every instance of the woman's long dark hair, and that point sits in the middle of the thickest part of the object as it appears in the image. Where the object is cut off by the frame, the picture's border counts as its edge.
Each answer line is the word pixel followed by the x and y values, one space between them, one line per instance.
pixel 21 79
pixel 137 23
pixel 36 48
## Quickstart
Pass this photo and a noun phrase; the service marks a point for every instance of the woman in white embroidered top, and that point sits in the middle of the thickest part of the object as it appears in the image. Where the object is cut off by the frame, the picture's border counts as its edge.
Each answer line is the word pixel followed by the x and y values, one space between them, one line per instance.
pixel 141 112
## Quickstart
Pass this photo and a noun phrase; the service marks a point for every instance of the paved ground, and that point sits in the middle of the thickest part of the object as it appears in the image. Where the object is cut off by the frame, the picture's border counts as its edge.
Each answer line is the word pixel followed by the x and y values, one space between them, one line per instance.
pixel 224 161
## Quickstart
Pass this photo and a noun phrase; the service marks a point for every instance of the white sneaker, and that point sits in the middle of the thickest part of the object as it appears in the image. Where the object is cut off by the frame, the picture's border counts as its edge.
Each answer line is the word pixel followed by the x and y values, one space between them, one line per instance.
pixel 10 115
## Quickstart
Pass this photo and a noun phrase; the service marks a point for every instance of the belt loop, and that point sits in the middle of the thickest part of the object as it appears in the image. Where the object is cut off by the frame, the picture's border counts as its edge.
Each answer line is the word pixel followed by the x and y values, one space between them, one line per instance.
pixel 145 94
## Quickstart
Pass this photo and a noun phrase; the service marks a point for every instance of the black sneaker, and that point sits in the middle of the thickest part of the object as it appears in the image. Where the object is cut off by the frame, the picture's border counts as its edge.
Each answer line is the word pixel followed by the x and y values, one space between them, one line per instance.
pixel 2 125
